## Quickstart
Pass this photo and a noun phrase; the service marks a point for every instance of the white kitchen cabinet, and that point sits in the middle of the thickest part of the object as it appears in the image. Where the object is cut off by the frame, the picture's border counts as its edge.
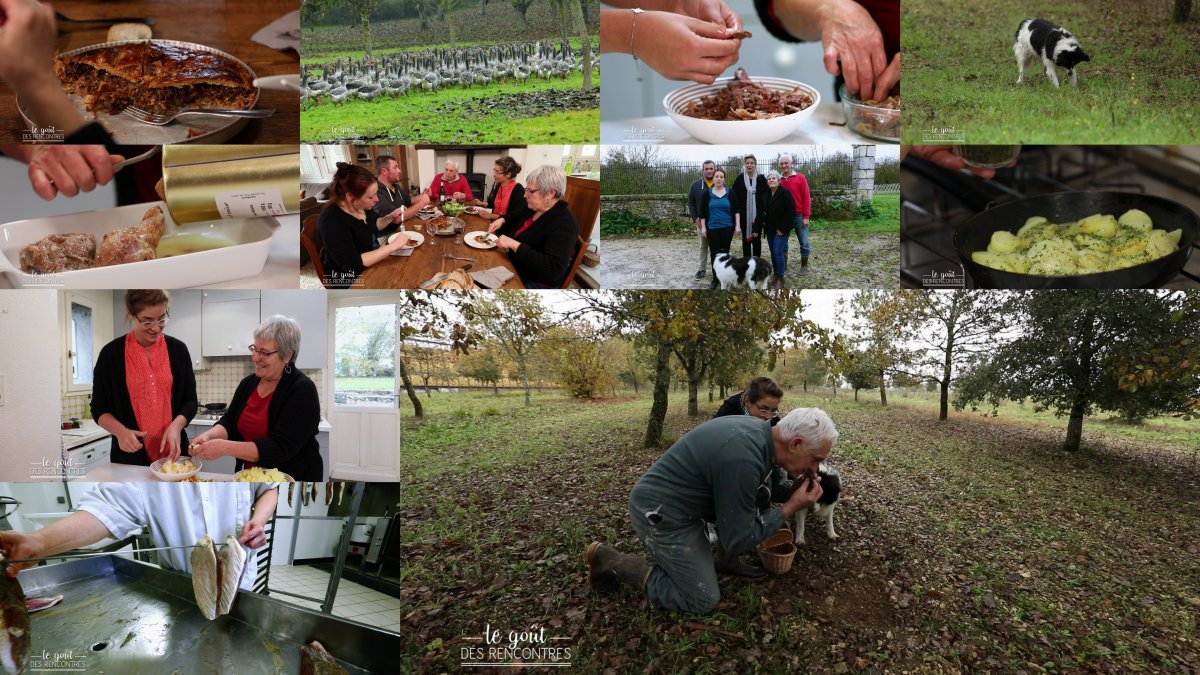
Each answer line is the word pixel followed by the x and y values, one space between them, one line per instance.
pixel 365 445
pixel 185 324
pixel 227 296
pixel 228 326
pixel 311 310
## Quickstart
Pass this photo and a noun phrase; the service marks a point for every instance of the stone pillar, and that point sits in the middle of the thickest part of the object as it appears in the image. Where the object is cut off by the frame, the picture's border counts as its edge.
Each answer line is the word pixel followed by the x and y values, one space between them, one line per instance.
pixel 864 173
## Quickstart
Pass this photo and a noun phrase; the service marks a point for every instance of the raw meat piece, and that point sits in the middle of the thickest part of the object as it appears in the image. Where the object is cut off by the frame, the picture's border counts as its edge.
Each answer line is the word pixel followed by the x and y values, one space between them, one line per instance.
pixel 205 583
pixel 132 244
pixel 230 564
pixel 59 253
pixel 315 660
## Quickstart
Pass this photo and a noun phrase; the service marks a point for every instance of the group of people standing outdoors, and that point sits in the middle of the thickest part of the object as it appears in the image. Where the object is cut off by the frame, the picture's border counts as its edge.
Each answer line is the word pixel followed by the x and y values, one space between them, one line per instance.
pixel 751 207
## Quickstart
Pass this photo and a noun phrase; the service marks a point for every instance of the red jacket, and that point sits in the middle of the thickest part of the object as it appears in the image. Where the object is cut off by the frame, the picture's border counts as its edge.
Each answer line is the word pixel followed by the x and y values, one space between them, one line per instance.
pixel 459 185
pixel 798 186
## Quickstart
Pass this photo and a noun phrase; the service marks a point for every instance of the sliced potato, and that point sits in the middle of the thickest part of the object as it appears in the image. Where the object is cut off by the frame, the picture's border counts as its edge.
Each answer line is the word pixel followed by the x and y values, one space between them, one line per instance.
pixel 1099 224
pixel 1003 242
pixel 1136 218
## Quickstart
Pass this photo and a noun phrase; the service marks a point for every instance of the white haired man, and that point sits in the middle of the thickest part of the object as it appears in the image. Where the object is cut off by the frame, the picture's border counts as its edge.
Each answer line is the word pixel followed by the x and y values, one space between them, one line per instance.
pixel 449 185
pixel 718 471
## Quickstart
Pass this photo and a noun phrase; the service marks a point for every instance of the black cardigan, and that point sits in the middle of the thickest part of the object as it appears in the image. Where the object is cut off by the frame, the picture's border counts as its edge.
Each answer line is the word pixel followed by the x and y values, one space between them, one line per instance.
pixel 779 212
pixel 547 247
pixel 761 188
pixel 516 200
pixel 292 420
pixel 110 393
pixel 735 206
pixel 344 239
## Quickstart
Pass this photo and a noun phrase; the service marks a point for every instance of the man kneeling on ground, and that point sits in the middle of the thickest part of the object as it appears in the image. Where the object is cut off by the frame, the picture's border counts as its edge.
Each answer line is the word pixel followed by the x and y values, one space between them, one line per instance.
pixel 714 472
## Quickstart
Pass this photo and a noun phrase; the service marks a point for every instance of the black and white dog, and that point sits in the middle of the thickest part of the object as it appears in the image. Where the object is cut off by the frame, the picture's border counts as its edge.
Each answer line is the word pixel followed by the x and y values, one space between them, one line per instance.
pixel 752 273
pixel 1054 45
pixel 831 486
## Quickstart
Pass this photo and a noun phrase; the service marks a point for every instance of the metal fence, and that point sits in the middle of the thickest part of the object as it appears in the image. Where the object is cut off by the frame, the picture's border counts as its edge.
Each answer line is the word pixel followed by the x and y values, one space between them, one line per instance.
pixel 677 177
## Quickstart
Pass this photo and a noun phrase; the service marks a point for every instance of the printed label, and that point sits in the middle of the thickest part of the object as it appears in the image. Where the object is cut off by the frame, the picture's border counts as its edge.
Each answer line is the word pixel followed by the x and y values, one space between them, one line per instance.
pixel 253 204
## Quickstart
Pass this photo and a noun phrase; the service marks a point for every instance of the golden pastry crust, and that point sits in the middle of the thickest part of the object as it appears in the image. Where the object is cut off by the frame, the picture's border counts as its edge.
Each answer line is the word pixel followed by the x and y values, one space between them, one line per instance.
pixel 155 76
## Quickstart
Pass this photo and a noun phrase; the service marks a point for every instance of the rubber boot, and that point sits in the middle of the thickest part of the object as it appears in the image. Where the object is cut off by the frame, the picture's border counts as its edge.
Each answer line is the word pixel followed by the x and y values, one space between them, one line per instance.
pixel 803 264
pixel 778 285
pixel 727 563
pixel 608 568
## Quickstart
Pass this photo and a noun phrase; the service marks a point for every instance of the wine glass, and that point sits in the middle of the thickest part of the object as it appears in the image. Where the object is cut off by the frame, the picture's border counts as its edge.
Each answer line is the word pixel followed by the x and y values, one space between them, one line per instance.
pixel 432 229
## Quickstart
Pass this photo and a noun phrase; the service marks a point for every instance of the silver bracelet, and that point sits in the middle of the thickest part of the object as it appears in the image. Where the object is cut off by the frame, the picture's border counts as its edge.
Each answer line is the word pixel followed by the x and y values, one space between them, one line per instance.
pixel 633 30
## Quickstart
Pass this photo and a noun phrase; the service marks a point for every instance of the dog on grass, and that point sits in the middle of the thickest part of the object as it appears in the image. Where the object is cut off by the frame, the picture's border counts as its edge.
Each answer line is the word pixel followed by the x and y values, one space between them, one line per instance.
pixel 831 486
pixel 752 273
pixel 1053 45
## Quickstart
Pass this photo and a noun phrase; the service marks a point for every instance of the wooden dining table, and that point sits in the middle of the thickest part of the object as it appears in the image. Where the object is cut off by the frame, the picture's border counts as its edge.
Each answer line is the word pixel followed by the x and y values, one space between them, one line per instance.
pixel 227 26
pixel 429 259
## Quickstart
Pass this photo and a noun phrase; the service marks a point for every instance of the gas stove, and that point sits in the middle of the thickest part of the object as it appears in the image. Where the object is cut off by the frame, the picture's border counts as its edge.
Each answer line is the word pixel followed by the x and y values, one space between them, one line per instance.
pixel 936 201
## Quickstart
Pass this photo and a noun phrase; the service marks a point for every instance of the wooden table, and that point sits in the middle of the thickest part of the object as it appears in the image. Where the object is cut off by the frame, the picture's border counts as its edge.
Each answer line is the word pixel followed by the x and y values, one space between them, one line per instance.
pixel 227 26
pixel 428 260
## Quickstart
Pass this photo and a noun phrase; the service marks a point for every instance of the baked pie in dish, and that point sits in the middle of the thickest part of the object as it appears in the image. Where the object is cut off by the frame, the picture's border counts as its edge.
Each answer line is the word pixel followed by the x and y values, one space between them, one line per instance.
pixel 155 75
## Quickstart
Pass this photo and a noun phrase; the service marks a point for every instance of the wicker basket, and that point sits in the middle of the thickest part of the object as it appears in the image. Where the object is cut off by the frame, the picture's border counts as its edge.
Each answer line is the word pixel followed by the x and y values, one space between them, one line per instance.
pixel 773 561
pixel 591 257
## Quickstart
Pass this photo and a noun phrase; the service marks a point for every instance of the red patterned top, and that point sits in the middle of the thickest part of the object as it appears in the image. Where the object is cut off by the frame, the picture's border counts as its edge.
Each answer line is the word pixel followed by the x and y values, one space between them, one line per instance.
pixel 252 424
pixel 503 194
pixel 149 380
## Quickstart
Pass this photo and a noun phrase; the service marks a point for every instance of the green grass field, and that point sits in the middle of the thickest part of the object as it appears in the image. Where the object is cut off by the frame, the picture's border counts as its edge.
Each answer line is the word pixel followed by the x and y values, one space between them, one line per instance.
pixel 359 383
pixel 972 545
pixel 458 115
pixel 960 74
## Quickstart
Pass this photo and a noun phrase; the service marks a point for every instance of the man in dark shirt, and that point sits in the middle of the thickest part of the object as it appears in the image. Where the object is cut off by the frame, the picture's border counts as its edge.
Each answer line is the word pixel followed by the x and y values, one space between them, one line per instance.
pixel 695 196
pixel 716 471
pixel 391 194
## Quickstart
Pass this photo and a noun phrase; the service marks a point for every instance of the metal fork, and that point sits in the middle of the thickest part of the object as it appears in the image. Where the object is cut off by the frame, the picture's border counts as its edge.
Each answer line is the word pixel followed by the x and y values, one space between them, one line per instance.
pixel 458 257
pixel 159 119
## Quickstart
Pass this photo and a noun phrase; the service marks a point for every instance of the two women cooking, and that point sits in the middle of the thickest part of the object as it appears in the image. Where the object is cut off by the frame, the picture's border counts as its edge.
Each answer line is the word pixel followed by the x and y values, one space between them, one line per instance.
pixel 144 394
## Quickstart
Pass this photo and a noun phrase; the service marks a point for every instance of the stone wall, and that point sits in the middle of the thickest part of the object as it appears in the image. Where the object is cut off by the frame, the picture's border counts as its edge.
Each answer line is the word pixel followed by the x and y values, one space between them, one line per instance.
pixel 656 208
pixel 864 173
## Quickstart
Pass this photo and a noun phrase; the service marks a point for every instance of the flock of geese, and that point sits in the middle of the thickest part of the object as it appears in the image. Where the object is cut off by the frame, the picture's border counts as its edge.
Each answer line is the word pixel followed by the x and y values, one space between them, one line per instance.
pixel 399 74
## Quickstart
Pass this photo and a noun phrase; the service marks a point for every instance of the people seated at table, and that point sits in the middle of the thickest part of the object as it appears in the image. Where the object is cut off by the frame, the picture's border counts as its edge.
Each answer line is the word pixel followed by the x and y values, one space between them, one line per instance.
pixel 507 194
pixel 348 227
pixel 391 193
pixel 450 185
pixel 541 237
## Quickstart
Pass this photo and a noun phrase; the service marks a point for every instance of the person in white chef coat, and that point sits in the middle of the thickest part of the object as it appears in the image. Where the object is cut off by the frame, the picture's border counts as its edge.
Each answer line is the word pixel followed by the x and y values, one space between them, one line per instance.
pixel 175 514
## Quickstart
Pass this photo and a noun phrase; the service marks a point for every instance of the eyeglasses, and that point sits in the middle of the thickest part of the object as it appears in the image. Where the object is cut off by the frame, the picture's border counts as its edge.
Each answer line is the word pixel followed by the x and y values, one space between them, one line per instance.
pixel 148 324
pixel 771 411
pixel 535 191
pixel 264 354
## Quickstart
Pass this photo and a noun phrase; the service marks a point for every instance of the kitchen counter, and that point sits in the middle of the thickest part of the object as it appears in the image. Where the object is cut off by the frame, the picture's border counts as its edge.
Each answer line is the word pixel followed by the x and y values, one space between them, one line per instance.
pixel 131 473
pixel 322 427
pixel 87 433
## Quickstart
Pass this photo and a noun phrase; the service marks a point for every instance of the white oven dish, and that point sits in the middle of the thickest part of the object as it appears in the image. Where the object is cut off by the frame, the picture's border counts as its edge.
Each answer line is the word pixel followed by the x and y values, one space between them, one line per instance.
pixel 245 255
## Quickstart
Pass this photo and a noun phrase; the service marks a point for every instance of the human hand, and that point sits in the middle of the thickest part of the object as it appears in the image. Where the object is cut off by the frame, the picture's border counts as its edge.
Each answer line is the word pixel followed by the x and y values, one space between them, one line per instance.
pixel 253 535
pixel 170 442
pixel 208 449
pixel 804 222
pixel 458 196
pixel 495 225
pixel 888 79
pixel 507 243
pixel 27 44
pixel 851 36
pixel 683 48
pixel 129 440
pixel 943 156
pixel 20 546
pixel 69 169
pixel 713 11
pixel 397 243
pixel 805 495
